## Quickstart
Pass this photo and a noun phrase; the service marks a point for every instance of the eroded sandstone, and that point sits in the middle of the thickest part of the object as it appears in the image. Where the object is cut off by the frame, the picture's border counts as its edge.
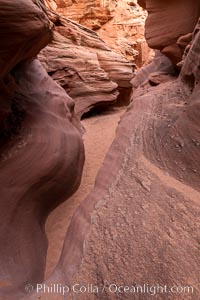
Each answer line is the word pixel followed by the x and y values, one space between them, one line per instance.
pixel 142 215
pixel 119 23
pixel 140 225
pixel 164 30
pixel 90 72
pixel 41 150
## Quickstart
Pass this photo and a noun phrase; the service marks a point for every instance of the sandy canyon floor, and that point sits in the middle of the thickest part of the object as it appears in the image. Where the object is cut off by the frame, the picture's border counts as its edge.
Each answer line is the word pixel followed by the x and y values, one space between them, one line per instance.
pixel 98 136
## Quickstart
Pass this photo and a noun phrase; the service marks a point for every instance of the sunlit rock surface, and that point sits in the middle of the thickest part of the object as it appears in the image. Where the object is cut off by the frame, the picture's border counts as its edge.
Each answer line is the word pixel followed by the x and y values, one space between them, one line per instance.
pixel 90 72
pixel 120 23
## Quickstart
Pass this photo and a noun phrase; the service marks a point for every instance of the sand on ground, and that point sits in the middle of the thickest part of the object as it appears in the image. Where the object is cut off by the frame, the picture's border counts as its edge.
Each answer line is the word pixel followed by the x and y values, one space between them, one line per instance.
pixel 100 132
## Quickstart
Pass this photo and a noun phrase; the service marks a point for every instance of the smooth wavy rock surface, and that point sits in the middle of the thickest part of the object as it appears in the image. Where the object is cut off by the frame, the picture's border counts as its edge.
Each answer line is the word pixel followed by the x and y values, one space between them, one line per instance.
pixel 41 149
pixel 23 35
pixel 90 72
pixel 140 224
pixel 170 24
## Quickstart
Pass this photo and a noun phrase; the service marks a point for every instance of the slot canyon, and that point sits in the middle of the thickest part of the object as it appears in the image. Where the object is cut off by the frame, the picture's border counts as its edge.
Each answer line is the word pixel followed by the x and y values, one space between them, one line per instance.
pixel 99 149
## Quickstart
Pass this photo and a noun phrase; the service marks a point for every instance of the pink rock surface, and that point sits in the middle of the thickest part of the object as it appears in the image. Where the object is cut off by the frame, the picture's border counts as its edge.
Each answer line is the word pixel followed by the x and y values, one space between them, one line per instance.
pixel 142 214
pixel 41 149
pixel 164 28
pixel 140 223
pixel 19 34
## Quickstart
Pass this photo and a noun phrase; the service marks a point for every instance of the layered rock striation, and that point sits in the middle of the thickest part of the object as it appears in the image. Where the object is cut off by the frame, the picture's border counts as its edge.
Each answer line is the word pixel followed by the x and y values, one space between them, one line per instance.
pixel 143 211
pixel 142 214
pixel 91 13
pixel 90 72
pixel 119 23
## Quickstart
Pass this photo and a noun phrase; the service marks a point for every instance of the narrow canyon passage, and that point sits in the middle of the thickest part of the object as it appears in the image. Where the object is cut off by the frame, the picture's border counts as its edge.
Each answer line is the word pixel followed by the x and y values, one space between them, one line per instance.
pixel 100 132
pixel 110 212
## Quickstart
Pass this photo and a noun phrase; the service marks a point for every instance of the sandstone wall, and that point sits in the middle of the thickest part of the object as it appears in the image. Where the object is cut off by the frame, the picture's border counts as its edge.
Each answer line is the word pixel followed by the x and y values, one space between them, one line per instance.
pixel 119 23
pixel 168 32
pixel 90 72
pixel 41 149
pixel 143 213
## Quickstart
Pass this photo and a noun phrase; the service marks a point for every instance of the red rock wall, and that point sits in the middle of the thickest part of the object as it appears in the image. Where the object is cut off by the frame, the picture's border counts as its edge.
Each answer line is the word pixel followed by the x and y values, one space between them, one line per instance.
pixel 143 212
pixel 41 150
pixel 19 37
pixel 169 22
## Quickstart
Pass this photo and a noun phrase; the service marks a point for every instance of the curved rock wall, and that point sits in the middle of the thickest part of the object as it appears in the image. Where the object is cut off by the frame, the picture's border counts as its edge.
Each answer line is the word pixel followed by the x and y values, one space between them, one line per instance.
pixel 169 26
pixel 143 213
pixel 41 150
pixel 16 35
